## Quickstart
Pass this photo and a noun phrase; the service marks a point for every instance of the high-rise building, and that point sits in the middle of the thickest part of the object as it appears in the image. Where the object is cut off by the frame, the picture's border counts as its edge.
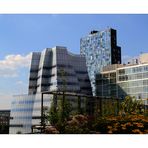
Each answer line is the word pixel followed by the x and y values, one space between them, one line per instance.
pixel 54 69
pixel 100 49
pixel 4 121
pixel 122 80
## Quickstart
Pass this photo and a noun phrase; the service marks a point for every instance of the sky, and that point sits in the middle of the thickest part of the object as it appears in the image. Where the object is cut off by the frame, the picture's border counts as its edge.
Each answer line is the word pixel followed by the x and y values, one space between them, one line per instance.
pixel 22 34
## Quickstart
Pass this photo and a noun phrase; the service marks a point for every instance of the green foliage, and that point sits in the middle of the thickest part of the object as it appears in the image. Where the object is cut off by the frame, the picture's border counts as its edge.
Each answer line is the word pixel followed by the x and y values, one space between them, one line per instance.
pixel 61 114
pixel 58 117
pixel 131 106
pixel 109 107
pixel 81 124
pixel 52 116
pixel 64 109
pixel 129 120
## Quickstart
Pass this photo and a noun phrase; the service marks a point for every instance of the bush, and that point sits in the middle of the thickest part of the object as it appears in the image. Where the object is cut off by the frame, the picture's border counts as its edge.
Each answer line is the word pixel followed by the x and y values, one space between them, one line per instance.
pixel 130 105
pixel 78 124
pixel 51 130
pixel 129 120
pixel 131 124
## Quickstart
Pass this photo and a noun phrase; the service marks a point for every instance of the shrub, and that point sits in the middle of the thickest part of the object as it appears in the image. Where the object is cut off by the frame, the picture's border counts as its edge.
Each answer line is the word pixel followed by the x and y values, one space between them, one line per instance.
pixel 129 124
pixel 51 130
pixel 78 124
pixel 130 105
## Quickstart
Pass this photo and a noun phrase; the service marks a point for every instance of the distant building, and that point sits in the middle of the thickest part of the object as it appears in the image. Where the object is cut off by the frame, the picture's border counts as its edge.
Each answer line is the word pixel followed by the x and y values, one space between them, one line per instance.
pixel 54 69
pixel 4 121
pixel 133 61
pixel 100 49
pixel 122 80
pixel 143 58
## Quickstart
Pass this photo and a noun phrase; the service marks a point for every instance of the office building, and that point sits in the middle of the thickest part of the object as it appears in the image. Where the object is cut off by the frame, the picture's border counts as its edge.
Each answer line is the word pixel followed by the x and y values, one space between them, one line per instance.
pixel 100 49
pixel 53 70
pixel 121 80
pixel 56 68
pixel 4 121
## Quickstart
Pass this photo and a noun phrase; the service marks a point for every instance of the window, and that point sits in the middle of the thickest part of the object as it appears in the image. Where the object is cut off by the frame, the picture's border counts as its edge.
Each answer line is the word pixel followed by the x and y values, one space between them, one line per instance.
pixel 122 71
pixel 112 75
pixel 145 68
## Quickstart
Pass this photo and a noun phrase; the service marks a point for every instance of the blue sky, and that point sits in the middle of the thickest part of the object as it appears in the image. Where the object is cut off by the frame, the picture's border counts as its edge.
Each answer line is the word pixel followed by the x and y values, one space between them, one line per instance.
pixel 22 34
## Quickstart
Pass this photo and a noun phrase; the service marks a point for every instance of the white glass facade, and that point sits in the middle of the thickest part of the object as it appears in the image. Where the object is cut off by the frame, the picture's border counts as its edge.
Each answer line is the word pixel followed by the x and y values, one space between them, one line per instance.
pixel 26 112
pixel 133 81
pixel 129 80
pixel 21 114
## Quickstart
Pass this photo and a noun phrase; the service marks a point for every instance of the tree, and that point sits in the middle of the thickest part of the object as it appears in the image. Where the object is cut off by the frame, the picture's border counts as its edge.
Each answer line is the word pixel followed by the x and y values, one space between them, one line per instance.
pixel 52 115
pixel 131 106
pixel 60 115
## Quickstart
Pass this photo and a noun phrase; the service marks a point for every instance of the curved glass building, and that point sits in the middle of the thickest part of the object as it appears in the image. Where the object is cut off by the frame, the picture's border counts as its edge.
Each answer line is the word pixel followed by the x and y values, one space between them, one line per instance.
pixel 53 69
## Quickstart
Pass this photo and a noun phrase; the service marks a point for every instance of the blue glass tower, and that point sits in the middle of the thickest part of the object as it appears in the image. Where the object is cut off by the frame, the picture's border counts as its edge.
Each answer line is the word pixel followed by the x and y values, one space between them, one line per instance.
pixel 100 49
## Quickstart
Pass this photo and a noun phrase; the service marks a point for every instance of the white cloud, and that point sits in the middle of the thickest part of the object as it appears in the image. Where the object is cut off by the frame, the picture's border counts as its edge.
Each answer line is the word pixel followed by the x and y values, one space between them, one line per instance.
pixel 11 63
